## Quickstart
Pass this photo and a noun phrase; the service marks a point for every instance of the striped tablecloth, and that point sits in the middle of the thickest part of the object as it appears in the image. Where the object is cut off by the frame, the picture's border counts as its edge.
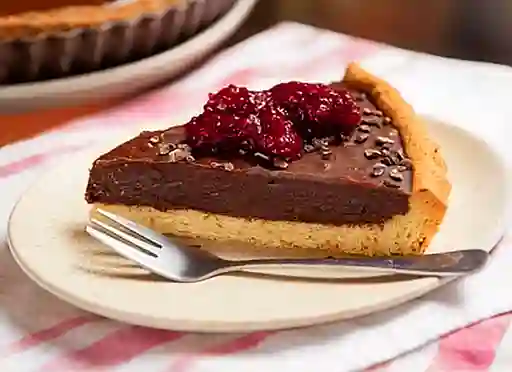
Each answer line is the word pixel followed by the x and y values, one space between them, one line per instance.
pixel 40 333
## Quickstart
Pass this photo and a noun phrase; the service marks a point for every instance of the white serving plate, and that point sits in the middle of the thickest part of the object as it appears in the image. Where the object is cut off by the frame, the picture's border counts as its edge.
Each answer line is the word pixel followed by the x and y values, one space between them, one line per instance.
pixel 47 239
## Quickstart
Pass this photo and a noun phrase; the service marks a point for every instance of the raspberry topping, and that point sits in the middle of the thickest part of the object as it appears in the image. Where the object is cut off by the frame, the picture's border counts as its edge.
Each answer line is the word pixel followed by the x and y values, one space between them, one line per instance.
pixel 317 107
pixel 278 136
pixel 276 122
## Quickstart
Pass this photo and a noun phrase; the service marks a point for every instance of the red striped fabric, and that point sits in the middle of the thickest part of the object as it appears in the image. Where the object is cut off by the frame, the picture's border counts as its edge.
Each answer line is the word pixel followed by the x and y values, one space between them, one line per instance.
pixel 114 349
pixel 472 348
pixel 238 345
pixel 35 339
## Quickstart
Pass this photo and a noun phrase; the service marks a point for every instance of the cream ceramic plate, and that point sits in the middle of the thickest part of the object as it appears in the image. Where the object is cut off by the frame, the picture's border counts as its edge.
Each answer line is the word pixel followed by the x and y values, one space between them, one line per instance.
pixel 128 78
pixel 46 233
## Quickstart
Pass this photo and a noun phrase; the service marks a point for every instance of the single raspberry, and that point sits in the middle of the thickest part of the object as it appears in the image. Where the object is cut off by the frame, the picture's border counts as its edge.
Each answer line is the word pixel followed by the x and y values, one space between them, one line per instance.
pixel 209 130
pixel 317 109
pixel 235 100
pixel 278 137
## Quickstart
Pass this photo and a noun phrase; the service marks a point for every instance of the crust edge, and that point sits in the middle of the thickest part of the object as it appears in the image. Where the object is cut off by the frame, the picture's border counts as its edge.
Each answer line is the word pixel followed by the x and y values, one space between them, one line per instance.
pixel 431 187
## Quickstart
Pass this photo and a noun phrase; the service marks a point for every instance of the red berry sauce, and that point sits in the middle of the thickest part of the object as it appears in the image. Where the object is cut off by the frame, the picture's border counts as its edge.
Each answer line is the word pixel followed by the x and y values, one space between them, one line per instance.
pixel 276 122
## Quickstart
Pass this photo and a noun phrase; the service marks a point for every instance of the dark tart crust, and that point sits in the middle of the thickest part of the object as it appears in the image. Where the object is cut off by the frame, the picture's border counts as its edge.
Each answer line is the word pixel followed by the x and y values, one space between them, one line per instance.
pixel 383 191
pixel 47 20
pixel 53 41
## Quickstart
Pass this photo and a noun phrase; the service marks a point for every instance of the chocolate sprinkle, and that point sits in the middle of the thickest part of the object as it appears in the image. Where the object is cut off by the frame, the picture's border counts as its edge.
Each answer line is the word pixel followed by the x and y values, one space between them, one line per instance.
pixel 184 146
pixel 374 121
pixel 320 144
pixel 178 154
pixel 378 170
pixel 261 156
pixel 400 155
pixel 165 148
pixel 395 157
pixel 364 128
pixel 367 111
pixel 229 166
pixel 326 154
pixel 387 120
pixel 407 163
pixel 383 140
pixel 395 175
pixel 392 157
pixel 280 163
pixel 386 146
pixel 226 166
pixel 361 137
pixel 387 161
pixel 360 97
pixel 154 139
pixel 372 153
pixel 309 148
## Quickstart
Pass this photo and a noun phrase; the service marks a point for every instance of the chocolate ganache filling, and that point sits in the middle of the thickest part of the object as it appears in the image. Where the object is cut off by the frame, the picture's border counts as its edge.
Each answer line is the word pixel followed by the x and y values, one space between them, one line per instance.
pixel 296 152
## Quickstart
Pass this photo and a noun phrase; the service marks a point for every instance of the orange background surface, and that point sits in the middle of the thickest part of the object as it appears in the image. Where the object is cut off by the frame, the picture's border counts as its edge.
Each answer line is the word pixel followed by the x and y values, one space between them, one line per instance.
pixel 15 127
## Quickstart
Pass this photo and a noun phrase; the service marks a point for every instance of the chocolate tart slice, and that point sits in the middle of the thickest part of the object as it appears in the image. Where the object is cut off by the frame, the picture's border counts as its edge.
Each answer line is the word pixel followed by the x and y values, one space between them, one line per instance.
pixel 375 185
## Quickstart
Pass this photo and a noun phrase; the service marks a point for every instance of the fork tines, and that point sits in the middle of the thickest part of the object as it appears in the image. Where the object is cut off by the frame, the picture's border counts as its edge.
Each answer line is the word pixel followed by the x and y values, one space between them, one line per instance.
pixel 144 233
pixel 131 240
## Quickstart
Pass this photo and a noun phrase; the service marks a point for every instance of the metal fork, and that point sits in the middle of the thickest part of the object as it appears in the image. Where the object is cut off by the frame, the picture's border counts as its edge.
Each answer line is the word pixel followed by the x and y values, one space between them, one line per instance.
pixel 180 263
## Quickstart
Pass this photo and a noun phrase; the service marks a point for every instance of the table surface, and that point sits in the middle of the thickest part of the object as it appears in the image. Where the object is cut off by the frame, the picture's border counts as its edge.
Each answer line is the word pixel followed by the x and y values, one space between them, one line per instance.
pixel 464 29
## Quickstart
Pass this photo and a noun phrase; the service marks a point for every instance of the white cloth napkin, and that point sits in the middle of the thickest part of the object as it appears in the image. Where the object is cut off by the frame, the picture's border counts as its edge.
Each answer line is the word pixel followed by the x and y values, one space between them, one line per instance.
pixel 472 95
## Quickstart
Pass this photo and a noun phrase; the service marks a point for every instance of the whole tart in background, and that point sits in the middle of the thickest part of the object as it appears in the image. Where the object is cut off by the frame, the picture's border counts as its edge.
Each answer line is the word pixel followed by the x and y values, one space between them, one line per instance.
pixel 48 39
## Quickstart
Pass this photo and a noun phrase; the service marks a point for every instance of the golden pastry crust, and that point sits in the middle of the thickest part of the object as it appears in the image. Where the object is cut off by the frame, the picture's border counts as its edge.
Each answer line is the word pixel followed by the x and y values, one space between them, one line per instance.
pixel 401 235
pixel 33 24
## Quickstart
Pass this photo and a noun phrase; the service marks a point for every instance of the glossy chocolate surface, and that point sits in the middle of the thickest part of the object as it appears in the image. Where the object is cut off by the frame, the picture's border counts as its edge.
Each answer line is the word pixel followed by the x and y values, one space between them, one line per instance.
pixel 343 186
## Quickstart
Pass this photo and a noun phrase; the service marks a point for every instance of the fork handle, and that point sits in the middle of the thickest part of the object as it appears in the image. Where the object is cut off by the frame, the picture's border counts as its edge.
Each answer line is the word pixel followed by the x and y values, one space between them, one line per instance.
pixel 454 263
